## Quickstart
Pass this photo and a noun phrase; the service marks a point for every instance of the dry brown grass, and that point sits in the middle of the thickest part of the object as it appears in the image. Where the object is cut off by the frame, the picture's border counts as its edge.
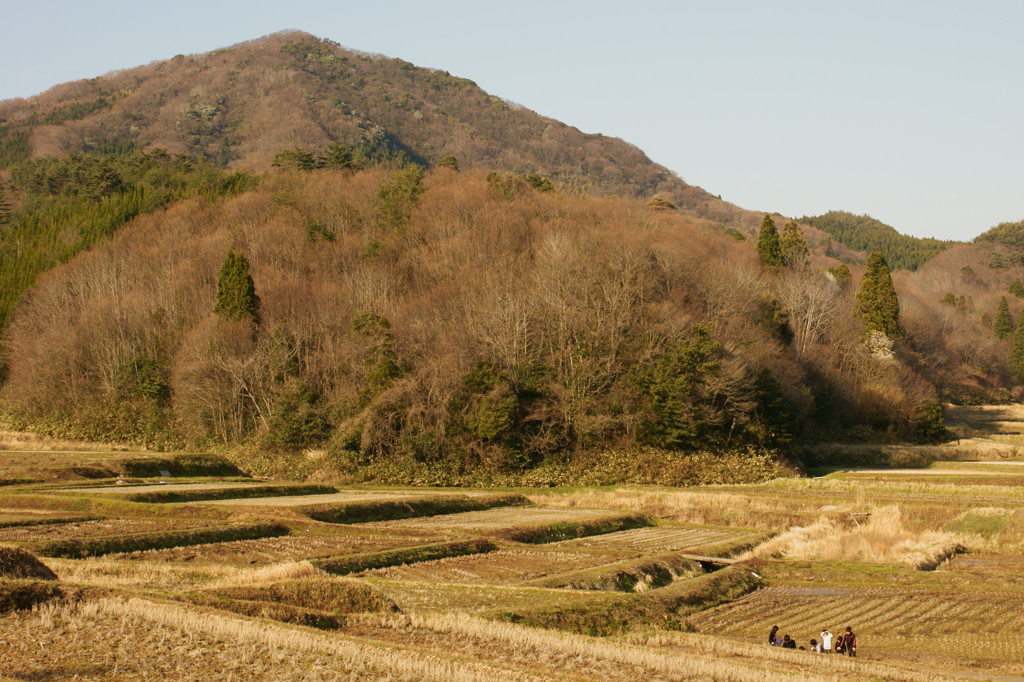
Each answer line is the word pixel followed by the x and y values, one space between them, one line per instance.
pixel 841 667
pixel 17 563
pixel 926 627
pixel 692 506
pixel 883 538
pixel 112 573
pixel 21 440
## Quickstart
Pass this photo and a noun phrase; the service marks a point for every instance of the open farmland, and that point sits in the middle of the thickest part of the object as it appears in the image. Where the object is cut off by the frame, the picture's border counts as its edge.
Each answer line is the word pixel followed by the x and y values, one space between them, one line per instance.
pixel 615 583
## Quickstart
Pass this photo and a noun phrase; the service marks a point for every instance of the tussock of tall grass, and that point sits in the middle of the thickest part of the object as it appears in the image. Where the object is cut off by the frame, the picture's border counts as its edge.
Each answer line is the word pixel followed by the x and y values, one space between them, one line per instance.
pixel 762 512
pixel 883 538
pixel 293 570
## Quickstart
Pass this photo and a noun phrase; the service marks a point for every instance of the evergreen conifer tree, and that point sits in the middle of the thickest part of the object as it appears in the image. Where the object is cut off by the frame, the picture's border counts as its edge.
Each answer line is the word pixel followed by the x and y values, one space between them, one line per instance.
pixel 1016 288
pixel 1016 361
pixel 877 304
pixel 397 197
pixel 1003 324
pixel 794 246
pixel 6 209
pixel 236 294
pixel 768 246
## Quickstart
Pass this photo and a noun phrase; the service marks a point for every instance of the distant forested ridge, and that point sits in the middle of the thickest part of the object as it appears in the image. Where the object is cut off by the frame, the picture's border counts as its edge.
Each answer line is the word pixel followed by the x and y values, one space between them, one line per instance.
pixel 864 233
pixel 1007 234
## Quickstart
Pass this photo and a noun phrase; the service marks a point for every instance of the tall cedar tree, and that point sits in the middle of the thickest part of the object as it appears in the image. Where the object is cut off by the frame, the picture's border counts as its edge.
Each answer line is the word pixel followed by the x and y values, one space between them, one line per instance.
pixel 1016 288
pixel 794 246
pixel 877 304
pixel 1003 324
pixel 236 294
pixel 768 246
pixel 1016 361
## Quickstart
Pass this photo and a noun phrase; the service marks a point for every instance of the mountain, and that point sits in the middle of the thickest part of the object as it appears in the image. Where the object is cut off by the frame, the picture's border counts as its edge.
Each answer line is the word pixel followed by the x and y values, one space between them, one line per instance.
pixel 430 284
pixel 864 233
pixel 238 107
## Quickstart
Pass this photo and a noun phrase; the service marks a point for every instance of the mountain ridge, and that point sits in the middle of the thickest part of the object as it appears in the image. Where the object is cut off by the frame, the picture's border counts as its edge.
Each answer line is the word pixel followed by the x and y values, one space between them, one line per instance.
pixel 238 106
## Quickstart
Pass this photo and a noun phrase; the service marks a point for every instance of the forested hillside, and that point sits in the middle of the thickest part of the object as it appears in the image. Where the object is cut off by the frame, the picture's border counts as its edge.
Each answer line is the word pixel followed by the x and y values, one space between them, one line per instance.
pixel 864 233
pixel 285 247
pixel 402 320
pixel 66 205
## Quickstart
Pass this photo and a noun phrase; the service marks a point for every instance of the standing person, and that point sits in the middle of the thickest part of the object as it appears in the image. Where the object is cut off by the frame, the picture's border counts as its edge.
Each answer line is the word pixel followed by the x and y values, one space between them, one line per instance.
pixel 771 636
pixel 826 641
pixel 851 642
pixel 841 644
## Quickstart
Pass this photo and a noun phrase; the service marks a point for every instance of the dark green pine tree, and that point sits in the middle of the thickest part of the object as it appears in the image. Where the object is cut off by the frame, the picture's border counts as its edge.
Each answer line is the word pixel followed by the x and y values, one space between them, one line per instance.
pixel 1016 288
pixel 877 304
pixel 1003 324
pixel 236 294
pixel 768 246
pixel 1016 361
pixel 794 246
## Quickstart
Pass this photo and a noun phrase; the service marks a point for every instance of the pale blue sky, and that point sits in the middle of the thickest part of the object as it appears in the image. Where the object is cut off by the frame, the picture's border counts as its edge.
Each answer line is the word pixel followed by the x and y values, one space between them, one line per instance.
pixel 908 111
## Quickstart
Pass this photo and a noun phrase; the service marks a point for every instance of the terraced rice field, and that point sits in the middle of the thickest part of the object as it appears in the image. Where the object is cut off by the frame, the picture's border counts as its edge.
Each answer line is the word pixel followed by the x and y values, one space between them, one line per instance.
pixel 658 540
pixel 255 609
pixel 277 550
pixel 158 487
pixel 94 528
pixel 505 567
pixel 494 519
pixel 980 625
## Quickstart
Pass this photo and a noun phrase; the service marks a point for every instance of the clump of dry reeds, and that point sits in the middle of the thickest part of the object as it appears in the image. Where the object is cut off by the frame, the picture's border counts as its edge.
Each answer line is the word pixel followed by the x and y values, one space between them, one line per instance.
pixel 883 538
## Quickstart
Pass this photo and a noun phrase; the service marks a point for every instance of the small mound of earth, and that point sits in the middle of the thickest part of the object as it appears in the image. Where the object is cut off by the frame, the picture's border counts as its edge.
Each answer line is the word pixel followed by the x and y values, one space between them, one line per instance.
pixel 17 563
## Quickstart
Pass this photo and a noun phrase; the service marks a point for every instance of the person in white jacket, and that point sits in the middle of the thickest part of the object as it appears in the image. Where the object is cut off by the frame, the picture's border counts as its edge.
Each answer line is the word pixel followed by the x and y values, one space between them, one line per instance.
pixel 826 641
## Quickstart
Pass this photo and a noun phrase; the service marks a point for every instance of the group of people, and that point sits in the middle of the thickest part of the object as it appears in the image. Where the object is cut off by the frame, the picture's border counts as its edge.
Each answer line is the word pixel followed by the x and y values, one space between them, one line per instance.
pixel 846 643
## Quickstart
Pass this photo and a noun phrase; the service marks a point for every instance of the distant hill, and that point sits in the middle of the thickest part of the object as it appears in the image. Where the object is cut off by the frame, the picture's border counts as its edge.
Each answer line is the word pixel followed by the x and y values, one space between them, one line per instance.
pixel 864 233
pixel 240 106
pixel 1007 234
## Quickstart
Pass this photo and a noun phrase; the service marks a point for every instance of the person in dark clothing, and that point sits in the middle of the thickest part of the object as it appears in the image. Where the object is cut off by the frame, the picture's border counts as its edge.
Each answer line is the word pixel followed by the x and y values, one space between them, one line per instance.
pixel 850 642
pixel 788 643
pixel 772 634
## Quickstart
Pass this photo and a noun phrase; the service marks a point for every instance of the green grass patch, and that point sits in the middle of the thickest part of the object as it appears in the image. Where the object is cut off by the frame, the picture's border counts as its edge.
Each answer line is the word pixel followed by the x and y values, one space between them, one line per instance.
pixel 356 563
pixel 704 592
pixel 987 525
pixel 388 510
pixel 25 521
pixel 569 530
pixel 19 481
pixel 328 594
pixel 241 492
pixel 179 465
pixel 730 548
pixel 80 549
